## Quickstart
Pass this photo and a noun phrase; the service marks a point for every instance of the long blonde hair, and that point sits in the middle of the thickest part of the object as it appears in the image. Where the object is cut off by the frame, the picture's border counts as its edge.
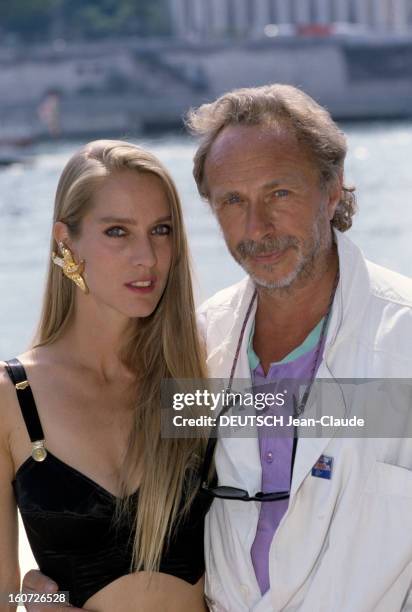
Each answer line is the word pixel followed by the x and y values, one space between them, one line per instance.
pixel 164 345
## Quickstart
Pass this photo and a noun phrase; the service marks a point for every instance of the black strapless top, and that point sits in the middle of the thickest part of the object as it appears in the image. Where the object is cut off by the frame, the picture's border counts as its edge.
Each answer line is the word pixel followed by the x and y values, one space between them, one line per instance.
pixel 69 520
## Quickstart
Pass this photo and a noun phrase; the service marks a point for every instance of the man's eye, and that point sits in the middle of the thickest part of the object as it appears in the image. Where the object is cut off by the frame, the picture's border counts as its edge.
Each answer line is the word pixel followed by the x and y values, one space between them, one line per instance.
pixel 233 199
pixel 115 232
pixel 280 193
pixel 162 230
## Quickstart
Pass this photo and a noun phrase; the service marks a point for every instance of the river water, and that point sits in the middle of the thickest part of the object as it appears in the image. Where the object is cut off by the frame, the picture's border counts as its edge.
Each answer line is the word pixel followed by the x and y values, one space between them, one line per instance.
pixel 379 164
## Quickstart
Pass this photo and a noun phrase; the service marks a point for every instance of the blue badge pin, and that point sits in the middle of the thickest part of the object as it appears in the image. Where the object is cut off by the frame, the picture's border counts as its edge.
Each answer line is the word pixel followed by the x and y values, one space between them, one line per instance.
pixel 323 467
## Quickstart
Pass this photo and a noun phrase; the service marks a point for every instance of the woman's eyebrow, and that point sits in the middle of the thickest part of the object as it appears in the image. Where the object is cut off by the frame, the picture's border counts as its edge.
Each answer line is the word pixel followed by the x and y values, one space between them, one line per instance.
pixel 125 220
pixel 129 221
pixel 162 219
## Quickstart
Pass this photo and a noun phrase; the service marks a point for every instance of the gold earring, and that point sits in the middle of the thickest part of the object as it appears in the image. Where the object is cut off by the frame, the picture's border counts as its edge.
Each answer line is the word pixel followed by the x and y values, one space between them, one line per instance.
pixel 70 268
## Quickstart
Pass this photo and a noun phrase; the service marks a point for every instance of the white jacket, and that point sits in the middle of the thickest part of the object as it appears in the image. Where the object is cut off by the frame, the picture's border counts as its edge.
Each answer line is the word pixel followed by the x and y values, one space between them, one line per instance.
pixel 345 544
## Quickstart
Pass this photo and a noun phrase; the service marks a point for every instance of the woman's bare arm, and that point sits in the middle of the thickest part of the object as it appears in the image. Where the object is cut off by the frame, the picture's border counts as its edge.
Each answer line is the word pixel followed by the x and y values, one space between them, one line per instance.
pixel 34 581
pixel 9 564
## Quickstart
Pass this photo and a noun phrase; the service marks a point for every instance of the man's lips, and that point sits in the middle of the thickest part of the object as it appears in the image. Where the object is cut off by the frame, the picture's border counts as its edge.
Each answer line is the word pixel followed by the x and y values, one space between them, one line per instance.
pixel 271 257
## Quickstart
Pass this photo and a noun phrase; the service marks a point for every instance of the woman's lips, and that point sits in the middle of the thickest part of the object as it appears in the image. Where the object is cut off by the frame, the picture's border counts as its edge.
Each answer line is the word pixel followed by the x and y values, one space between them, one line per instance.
pixel 141 287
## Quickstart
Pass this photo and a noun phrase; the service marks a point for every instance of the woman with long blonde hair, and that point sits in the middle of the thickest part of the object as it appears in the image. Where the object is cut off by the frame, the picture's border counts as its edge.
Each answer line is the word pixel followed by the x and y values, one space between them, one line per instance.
pixel 112 510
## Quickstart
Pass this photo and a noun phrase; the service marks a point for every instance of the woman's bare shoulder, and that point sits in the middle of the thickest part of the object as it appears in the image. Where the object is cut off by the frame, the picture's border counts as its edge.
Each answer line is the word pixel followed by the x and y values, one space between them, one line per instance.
pixel 7 391
pixel 7 403
pixel 8 397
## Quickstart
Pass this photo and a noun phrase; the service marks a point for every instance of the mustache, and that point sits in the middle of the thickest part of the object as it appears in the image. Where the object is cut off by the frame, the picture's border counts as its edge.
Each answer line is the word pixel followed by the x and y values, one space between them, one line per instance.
pixel 251 248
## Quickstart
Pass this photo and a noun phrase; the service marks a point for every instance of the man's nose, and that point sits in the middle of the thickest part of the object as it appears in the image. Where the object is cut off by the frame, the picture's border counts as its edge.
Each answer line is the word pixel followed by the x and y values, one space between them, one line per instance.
pixel 258 221
pixel 143 253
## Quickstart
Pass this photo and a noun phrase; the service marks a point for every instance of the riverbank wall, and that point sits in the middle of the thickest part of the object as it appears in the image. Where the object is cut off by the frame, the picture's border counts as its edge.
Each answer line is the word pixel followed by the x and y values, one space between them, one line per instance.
pixel 126 88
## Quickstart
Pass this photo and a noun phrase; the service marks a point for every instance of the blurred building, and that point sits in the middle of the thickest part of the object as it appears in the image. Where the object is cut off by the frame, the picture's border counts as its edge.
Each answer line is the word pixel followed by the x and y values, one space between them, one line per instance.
pixel 107 87
pixel 211 19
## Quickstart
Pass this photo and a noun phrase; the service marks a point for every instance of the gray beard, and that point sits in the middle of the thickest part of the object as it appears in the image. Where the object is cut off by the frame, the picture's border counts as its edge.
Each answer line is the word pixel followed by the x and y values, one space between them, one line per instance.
pixel 308 252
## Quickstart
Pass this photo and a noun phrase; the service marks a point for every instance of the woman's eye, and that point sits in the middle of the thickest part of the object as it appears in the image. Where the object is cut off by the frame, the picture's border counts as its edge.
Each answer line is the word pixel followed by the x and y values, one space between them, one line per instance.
pixel 115 232
pixel 162 230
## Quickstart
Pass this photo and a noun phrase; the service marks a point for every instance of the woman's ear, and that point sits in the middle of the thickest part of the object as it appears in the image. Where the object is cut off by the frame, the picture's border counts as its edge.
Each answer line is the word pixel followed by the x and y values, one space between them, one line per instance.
pixel 61 233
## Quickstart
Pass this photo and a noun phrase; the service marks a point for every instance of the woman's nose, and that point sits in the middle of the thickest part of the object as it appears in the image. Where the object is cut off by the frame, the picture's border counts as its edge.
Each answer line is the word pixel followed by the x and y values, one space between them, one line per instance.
pixel 143 253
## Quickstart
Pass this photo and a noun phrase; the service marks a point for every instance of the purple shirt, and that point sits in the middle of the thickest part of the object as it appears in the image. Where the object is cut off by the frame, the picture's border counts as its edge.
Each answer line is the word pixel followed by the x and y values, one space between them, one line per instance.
pixel 276 452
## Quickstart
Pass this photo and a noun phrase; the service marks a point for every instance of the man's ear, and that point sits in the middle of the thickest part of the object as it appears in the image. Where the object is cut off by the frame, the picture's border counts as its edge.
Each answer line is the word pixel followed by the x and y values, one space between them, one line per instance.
pixel 334 195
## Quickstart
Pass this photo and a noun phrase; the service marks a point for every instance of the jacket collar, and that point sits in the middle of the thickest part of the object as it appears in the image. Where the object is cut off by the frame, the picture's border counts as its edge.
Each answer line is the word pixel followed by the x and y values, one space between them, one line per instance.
pixel 351 295
pixel 350 301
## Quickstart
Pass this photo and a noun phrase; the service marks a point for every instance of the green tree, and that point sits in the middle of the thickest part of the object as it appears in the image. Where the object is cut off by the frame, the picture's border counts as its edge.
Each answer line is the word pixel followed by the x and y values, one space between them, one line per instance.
pixel 29 19
pixel 34 20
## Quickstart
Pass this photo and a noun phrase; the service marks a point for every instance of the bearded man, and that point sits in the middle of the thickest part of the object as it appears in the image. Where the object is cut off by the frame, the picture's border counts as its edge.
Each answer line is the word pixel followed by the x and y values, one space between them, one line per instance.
pixel 331 525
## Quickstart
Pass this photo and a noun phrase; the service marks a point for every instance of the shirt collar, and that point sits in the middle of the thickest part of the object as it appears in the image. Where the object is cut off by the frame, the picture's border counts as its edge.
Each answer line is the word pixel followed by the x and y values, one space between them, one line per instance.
pixel 307 345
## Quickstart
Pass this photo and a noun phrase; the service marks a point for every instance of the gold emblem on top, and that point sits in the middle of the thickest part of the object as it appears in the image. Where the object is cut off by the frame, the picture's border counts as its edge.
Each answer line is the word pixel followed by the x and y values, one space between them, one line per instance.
pixel 22 385
pixel 39 453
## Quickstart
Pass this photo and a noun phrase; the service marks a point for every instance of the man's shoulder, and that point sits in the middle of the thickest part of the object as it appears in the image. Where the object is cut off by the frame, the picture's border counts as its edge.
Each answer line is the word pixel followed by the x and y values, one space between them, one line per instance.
pixel 390 286
pixel 225 299
pixel 387 322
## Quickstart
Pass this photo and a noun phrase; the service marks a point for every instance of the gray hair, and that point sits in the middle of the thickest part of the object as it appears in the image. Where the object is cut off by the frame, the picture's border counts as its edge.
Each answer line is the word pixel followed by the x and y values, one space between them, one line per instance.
pixel 272 105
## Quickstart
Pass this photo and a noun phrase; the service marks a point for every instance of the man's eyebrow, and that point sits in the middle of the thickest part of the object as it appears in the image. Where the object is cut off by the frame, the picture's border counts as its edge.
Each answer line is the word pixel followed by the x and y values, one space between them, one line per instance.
pixel 129 221
pixel 270 184
pixel 286 179
pixel 227 194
